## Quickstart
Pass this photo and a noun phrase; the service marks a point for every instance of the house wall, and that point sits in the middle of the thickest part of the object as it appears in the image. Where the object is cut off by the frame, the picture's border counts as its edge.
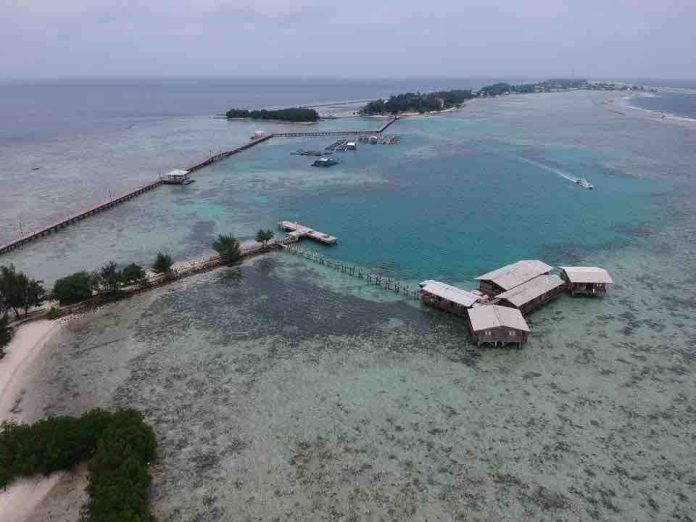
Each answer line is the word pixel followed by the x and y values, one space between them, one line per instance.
pixel 588 288
pixel 502 335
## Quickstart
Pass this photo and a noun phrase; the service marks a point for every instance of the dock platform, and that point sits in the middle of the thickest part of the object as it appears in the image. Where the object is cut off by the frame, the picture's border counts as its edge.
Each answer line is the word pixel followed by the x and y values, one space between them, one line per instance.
pixel 298 231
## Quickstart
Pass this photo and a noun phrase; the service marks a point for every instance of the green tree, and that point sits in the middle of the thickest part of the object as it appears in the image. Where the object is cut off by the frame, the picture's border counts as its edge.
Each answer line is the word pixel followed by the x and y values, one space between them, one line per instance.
pixel 5 333
pixel 110 277
pixel 34 294
pixel 163 263
pixel 74 288
pixel 132 274
pixel 228 247
pixel 264 236
pixel 17 291
pixel 118 445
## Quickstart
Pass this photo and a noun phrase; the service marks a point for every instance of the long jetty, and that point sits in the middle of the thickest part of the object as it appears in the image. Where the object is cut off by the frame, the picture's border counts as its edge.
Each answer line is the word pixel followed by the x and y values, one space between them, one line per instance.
pixel 358 272
pixel 112 202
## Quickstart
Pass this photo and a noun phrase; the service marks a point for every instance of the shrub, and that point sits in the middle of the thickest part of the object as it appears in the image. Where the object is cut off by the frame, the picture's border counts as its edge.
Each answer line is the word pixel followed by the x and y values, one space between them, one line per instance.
pixel 53 313
pixel 74 288
pixel 163 263
pixel 132 274
pixel 5 334
pixel 119 444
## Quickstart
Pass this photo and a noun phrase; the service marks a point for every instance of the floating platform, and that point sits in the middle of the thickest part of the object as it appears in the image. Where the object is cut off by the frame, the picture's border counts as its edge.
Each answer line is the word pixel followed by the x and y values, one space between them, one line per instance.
pixel 298 231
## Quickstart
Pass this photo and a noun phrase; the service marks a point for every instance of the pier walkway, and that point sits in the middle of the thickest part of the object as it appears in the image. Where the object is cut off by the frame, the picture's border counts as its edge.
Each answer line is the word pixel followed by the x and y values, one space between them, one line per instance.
pixel 298 231
pixel 91 211
pixel 101 207
pixel 355 271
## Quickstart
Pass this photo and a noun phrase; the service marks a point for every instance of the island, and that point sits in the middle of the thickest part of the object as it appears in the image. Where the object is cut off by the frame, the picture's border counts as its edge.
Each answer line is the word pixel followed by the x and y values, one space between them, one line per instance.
pixel 447 100
pixel 418 102
pixel 293 114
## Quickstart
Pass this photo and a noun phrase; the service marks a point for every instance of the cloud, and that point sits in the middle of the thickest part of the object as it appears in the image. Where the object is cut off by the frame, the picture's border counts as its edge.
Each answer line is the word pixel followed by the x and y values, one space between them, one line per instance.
pixel 358 38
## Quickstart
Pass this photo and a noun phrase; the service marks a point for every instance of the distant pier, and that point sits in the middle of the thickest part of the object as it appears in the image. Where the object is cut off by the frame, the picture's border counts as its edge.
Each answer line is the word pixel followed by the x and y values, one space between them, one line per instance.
pixel 96 209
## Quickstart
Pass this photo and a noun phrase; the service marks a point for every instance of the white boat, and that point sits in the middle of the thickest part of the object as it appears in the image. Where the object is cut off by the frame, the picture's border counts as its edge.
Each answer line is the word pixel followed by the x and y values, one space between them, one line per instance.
pixel 584 183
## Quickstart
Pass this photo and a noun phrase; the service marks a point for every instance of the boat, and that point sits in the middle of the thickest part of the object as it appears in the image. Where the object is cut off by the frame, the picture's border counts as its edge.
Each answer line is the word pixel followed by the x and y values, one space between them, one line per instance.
pixel 584 183
pixel 325 162
pixel 302 152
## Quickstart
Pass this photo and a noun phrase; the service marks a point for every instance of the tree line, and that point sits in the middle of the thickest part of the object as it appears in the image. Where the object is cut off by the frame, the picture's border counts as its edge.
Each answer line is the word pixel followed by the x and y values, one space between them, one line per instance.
pixel 18 292
pixel 118 447
pixel 294 114
pixel 418 102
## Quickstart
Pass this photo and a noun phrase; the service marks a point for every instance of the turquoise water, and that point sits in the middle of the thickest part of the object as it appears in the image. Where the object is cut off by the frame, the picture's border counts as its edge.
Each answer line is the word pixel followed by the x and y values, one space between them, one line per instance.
pixel 454 199
pixel 465 209
pixel 285 390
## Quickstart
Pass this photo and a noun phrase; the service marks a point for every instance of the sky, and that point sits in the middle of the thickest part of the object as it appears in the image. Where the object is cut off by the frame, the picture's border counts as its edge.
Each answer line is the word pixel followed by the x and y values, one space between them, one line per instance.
pixel 357 38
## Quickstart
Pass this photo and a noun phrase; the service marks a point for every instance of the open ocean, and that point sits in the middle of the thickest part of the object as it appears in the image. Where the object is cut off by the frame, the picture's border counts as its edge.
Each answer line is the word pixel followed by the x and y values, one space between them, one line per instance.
pixel 282 389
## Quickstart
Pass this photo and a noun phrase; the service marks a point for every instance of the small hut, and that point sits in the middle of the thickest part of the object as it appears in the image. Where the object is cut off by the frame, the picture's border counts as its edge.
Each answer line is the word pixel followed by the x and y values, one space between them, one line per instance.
pixel 177 177
pixel 586 280
pixel 536 292
pixel 508 277
pixel 497 325
pixel 447 297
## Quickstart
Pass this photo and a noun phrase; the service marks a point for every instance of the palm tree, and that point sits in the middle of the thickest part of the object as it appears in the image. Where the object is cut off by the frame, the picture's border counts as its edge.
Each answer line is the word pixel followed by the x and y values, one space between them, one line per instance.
pixel 264 236
pixel 228 247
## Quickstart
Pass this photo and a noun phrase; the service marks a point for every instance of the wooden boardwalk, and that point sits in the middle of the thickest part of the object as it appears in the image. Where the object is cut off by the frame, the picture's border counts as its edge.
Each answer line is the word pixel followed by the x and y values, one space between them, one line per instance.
pixel 386 283
pixel 298 231
pixel 101 207
pixel 91 211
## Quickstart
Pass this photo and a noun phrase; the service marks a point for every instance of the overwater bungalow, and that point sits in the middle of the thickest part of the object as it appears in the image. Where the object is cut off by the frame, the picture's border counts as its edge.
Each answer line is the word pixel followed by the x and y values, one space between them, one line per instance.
pixel 177 177
pixel 508 277
pixel 586 280
pixel 536 292
pixel 447 297
pixel 497 325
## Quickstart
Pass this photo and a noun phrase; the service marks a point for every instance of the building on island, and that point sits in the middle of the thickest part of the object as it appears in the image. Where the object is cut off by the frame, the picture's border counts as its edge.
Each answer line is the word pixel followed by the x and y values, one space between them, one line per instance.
pixel 497 325
pixel 510 276
pixel 177 177
pixel 447 297
pixel 536 292
pixel 586 280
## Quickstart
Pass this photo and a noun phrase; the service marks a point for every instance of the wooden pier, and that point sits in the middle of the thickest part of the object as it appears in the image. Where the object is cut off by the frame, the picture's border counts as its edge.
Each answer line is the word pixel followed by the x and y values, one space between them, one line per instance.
pixel 96 209
pixel 298 231
pixel 91 211
pixel 386 283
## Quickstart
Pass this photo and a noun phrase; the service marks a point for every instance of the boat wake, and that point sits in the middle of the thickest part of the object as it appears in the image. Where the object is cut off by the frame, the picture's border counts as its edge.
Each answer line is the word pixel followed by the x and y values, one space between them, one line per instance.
pixel 570 177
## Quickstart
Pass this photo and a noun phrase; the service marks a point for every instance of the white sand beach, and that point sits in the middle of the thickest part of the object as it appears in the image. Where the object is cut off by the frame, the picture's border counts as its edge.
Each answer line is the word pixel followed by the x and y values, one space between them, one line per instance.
pixel 20 500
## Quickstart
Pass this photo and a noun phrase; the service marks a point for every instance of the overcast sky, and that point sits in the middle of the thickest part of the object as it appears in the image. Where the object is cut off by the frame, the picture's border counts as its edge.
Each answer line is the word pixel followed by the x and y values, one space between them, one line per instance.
pixel 356 38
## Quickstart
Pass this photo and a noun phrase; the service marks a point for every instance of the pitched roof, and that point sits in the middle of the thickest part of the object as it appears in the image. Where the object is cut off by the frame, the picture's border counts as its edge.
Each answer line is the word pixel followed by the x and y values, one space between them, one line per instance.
pixel 510 276
pixel 493 316
pixel 587 274
pixel 526 292
pixel 449 292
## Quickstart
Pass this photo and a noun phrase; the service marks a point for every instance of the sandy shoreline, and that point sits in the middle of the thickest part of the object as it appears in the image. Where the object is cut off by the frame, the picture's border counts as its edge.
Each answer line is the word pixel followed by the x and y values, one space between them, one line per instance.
pixel 20 499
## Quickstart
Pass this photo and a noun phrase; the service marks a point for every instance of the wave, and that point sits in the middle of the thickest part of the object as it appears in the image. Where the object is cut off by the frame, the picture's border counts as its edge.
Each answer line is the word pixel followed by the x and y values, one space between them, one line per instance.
pixel 557 171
